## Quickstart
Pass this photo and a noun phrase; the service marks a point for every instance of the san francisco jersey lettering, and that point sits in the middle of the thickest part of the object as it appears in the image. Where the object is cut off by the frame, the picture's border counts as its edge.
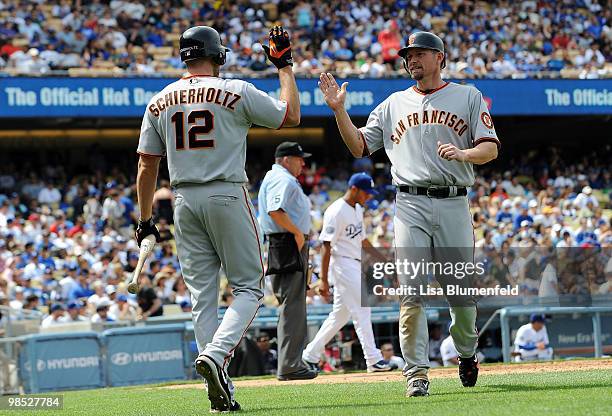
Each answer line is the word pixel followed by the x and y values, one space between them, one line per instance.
pixel 409 124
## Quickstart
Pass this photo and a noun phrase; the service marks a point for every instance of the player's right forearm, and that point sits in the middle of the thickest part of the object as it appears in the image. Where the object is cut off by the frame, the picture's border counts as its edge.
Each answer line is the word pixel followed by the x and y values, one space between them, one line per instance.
pixel 289 94
pixel 348 131
pixel 146 182
pixel 325 256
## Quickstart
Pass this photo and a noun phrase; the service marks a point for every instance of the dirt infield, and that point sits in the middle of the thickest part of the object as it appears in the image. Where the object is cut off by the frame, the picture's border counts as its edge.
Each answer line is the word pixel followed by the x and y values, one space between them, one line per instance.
pixel 542 367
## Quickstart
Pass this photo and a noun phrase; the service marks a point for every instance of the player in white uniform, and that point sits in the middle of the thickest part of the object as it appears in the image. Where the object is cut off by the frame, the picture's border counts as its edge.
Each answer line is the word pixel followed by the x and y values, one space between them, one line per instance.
pixel 449 353
pixel 433 133
pixel 531 342
pixel 200 123
pixel 343 236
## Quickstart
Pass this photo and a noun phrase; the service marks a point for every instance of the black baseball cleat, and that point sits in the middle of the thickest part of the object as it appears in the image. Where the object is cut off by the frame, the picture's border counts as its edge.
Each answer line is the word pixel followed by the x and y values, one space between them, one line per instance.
pixel 468 371
pixel 216 378
pixel 234 407
pixel 303 374
pixel 417 388
pixel 312 366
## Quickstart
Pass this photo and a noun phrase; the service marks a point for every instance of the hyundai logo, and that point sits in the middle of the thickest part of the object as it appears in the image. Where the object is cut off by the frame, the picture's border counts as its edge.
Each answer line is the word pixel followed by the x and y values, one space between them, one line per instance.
pixel 40 365
pixel 121 358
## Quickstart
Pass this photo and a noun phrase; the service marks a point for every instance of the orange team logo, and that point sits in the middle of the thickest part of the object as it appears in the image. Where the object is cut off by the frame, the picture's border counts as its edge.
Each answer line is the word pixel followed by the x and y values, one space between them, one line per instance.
pixel 411 39
pixel 486 119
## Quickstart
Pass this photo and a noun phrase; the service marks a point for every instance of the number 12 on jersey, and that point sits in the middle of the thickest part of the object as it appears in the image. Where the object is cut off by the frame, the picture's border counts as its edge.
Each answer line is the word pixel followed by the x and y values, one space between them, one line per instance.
pixel 206 127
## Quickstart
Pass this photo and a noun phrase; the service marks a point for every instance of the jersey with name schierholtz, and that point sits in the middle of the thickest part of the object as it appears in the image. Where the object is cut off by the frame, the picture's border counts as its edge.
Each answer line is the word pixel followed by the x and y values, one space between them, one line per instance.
pixel 409 123
pixel 200 124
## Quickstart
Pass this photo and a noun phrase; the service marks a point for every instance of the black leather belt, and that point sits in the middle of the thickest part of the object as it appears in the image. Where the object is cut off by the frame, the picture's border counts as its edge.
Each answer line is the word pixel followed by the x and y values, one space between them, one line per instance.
pixel 434 191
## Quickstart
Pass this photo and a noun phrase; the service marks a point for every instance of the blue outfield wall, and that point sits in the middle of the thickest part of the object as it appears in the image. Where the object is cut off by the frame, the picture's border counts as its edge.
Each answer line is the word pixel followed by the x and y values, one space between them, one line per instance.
pixel 128 97
pixel 163 352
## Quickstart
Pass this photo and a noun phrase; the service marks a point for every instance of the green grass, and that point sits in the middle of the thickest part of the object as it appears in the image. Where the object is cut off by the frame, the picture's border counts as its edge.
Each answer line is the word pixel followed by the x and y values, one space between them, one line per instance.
pixel 561 393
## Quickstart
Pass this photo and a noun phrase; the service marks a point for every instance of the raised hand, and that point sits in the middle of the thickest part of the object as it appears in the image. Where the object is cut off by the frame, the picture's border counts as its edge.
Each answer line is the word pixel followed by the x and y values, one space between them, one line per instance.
pixel 334 96
pixel 279 51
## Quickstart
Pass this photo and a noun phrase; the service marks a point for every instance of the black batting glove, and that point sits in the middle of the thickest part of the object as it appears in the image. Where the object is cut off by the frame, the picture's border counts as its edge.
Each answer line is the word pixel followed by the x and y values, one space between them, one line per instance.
pixel 279 51
pixel 145 228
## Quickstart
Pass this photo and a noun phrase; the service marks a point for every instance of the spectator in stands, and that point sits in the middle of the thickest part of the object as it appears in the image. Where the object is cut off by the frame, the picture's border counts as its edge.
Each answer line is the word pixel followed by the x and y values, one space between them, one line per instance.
pixel 122 309
pixel 96 34
pixel 268 355
pixel 148 301
pixel 388 354
pixel 585 197
pixel 531 342
pixel 102 315
pixel 32 303
pixel 74 313
pixel 19 298
pixel 179 291
pixel 56 314
pixel 163 200
pixel 390 41
pixel 113 210
pixel 49 195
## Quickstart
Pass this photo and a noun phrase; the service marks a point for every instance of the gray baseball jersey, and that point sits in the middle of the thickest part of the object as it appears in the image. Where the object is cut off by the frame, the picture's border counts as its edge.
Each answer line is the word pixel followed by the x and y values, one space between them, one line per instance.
pixel 409 123
pixel 200 123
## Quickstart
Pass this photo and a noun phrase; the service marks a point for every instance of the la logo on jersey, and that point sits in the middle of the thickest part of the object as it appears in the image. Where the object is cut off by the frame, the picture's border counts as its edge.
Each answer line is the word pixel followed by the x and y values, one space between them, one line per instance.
pixel 353 230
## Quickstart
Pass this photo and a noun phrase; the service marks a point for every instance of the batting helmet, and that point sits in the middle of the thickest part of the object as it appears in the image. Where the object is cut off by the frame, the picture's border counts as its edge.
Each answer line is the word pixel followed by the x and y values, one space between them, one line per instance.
pixel 202 42
pixel 425 40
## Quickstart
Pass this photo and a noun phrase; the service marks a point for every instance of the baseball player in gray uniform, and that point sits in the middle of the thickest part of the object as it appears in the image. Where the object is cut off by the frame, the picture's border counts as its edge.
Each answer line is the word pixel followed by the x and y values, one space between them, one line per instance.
pixel 200 123
pixel 433 132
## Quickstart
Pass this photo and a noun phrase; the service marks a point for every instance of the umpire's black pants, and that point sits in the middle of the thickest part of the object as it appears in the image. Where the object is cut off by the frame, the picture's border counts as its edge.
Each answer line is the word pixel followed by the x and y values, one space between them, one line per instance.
pixel 290 291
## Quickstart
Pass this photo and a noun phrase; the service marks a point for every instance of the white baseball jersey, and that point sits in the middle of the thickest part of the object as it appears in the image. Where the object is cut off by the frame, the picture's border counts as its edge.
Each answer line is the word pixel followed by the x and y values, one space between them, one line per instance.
pixel 527 338
pixel 409 123
pixel 448 351
pixel 343 228
pixel 200 123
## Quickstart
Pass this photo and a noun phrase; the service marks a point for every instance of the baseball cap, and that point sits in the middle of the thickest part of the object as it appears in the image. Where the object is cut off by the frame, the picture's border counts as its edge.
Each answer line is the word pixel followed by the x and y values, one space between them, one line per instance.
pixel 290 149
pixel 364 182
pixel 56 307
pixel 122 298
pixel 75 305
pixel 103 304
pixel 587 190
pixel 537 317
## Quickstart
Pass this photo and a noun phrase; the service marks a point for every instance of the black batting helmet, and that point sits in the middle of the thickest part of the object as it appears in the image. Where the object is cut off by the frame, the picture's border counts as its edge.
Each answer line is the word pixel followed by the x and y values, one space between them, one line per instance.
pixel 202 42
pixel 425 40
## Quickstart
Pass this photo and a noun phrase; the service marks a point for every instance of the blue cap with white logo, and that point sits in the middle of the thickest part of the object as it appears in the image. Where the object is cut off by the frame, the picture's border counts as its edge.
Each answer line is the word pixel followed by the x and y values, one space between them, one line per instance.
pixel 364 182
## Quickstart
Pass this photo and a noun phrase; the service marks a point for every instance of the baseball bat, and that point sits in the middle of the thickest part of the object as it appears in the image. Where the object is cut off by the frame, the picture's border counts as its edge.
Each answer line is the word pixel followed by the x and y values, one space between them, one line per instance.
pixel 146 247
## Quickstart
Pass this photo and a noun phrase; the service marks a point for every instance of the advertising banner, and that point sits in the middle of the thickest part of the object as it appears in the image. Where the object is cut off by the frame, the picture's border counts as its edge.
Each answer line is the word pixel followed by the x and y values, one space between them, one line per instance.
pixel 144 355
pixel 128 97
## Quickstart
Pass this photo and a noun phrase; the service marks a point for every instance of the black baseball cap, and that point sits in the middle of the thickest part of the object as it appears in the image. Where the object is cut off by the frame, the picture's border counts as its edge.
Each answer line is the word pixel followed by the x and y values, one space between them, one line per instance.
pixel 290 149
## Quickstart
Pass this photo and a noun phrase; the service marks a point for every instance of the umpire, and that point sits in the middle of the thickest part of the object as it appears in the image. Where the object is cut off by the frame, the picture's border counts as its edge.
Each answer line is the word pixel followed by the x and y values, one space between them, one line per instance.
pixel 285 220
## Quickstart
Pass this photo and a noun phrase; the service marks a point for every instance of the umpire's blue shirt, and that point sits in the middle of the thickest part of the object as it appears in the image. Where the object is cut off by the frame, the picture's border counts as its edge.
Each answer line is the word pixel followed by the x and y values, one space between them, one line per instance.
pixel 281 190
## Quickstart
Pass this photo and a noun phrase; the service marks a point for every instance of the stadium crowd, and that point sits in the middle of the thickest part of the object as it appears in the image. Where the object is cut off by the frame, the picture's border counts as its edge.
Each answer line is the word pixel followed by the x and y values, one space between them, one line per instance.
pixel 494 39
pixel 66 240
